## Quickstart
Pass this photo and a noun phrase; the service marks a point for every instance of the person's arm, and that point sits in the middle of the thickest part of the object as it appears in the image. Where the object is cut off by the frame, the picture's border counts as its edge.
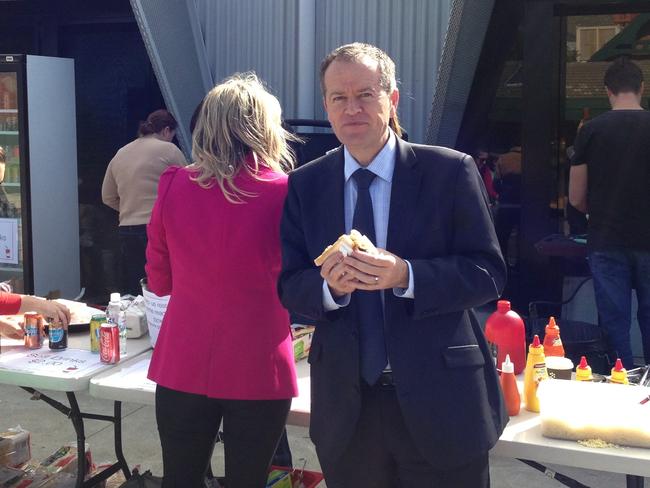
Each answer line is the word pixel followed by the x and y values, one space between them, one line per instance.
pixel 110 196
pixel 158 266
pixel 301 285
pixel 473 272
pixel 2 172
pixel 14 304
pixel 578 187
pixel 177 158
pixel 49 309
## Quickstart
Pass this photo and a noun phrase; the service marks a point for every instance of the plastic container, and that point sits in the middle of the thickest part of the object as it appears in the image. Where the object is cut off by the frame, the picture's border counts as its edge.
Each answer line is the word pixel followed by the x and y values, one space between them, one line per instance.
pixel 583 371
pixel 581 410
pixel 552 341
pixel 619 374
pixel 534 374
pixel 506 335
pixel 509 388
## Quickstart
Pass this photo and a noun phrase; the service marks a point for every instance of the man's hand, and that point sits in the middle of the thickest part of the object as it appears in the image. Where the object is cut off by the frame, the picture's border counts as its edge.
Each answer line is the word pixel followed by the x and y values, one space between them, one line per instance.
pixel 379 272
pixel 338 276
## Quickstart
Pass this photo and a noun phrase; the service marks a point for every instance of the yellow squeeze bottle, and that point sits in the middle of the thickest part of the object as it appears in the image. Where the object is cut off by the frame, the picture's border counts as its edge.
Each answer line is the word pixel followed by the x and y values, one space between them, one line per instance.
pixel 535 373
pixel 583 371
pixel 619 373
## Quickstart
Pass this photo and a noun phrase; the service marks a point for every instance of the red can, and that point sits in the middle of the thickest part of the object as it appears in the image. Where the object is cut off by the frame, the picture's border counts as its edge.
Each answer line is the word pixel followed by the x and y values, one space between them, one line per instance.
pixel 109 343
pixel 33 327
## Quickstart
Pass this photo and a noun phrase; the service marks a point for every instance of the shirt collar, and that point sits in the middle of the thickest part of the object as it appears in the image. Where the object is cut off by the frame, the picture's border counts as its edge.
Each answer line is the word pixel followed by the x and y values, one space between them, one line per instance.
pixel 382 165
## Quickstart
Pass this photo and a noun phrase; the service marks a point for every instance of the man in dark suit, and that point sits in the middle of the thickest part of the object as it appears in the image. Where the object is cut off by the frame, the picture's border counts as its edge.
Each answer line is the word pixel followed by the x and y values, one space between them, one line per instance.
pixel 404 391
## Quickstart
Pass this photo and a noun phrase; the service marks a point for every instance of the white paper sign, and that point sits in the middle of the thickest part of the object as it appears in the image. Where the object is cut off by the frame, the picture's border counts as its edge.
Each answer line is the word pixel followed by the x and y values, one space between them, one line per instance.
pixel 68 363
pixel 9 241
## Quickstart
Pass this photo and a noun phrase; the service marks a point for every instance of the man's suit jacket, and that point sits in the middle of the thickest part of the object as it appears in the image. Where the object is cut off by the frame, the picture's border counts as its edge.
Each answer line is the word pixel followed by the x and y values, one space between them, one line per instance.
pixel 445 378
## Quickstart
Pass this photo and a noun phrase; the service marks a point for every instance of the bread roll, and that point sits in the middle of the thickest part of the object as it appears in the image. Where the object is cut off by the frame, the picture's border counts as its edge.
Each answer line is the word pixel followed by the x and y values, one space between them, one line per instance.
pixel 346 244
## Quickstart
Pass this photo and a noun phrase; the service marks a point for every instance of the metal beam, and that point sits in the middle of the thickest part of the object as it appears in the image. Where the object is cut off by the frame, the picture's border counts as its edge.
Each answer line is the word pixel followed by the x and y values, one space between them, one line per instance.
pixel 172 36
pixel 468 23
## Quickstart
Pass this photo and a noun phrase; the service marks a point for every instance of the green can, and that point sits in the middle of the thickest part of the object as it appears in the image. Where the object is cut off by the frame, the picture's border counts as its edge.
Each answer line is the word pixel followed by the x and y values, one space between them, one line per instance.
pixel 96 322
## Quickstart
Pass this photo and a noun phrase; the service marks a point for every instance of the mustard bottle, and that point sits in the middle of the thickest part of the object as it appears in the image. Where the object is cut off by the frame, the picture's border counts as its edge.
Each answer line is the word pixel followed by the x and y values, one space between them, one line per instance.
pixel 619 373
pixel 583 371
pixel 535 373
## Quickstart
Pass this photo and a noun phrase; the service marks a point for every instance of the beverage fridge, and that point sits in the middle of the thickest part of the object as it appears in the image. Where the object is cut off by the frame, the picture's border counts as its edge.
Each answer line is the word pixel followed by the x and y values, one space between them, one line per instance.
pixel 39 208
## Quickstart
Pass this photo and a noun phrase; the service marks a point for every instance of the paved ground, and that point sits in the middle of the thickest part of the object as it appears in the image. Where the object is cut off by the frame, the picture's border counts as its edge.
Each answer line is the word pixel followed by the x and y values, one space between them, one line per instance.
pixel 50 430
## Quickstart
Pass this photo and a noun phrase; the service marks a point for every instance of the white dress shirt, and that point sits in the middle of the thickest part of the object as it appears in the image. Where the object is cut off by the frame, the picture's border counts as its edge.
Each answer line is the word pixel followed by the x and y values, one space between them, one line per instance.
pixel 383 165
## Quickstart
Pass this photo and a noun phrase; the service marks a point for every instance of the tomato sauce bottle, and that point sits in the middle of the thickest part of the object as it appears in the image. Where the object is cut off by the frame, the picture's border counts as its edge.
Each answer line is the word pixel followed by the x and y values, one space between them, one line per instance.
pixel 509 387
pixel 552 342
pixel 506 335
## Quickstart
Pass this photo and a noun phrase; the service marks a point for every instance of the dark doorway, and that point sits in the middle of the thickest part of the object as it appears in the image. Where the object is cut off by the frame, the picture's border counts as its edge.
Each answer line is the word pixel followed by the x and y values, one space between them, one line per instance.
pixel 534 81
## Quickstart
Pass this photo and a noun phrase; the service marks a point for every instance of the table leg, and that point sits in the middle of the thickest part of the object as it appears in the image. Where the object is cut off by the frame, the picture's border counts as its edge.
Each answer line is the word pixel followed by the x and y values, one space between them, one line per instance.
pixel 634 481
pixel 77 418
pixel 559 477
pixel 117 426
pixel 78 423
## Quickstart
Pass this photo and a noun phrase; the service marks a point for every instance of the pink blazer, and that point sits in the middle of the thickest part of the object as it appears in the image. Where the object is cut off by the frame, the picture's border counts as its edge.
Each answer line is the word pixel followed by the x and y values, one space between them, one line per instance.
pixel 225 333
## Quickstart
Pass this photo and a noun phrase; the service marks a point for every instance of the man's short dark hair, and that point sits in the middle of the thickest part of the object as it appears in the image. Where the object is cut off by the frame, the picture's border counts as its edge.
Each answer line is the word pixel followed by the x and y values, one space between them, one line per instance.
pixel 623 76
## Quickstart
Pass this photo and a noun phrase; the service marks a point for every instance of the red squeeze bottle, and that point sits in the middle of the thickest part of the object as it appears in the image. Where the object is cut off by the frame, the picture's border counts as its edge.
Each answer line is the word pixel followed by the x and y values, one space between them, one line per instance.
pixel 552 342
pixel 509 387
pixel 506 335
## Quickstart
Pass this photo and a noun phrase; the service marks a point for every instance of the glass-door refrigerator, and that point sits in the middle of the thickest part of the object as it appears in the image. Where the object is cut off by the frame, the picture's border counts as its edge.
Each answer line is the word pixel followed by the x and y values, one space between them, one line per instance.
pixel 39 210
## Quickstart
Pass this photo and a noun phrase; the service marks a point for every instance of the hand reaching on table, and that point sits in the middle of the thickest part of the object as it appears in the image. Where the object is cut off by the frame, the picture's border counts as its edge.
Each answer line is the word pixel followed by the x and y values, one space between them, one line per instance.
pixel 49 309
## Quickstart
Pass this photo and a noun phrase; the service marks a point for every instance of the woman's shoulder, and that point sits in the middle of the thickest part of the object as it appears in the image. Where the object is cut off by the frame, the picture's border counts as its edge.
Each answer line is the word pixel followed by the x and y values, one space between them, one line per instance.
pixel 272 182
pixel 174 174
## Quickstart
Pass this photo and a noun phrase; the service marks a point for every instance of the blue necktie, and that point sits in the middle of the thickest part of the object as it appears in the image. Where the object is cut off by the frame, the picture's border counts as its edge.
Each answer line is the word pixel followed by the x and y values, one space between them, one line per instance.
pixel 368 303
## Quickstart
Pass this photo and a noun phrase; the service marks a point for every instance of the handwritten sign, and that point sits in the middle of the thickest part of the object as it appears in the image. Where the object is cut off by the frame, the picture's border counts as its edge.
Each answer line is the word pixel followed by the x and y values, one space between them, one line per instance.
pixel 9 241
pixel 59 364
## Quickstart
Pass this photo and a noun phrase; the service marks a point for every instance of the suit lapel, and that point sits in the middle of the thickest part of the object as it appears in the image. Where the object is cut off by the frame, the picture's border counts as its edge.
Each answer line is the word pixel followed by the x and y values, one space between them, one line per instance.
pixel 403 199
pixel 331 189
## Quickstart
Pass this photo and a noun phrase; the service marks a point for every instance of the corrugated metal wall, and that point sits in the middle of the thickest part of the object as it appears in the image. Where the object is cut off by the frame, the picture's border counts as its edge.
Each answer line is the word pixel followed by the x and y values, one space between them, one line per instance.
pixel 263 35
pixel 258 35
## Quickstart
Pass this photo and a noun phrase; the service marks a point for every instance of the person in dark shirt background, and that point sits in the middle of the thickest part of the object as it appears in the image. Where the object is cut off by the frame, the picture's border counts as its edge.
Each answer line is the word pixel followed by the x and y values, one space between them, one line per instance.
pixel 610 180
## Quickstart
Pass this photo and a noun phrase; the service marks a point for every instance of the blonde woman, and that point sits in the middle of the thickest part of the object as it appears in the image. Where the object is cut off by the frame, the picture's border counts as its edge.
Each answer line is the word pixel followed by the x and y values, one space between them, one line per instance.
pixel 224 350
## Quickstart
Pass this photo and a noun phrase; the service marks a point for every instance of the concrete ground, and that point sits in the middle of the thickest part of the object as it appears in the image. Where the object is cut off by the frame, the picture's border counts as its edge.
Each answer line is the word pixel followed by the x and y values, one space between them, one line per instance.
pixel 50 429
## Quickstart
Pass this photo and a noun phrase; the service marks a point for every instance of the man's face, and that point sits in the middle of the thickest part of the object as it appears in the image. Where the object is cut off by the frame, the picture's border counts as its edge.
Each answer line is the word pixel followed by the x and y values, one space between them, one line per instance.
pixel 358 107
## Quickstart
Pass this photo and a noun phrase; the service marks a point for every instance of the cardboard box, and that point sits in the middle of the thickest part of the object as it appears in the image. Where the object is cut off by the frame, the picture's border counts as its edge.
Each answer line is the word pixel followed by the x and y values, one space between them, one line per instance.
pixel 15 447
pixel 302 335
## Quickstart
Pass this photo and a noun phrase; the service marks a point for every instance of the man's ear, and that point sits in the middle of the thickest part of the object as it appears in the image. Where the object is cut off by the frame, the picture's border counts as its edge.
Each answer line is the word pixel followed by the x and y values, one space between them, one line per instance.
pixel 394 101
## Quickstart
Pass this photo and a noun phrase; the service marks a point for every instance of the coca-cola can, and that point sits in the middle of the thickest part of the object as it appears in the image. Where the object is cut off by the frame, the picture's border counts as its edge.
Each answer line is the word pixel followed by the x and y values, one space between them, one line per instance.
pixel 33 327
pixel 109 343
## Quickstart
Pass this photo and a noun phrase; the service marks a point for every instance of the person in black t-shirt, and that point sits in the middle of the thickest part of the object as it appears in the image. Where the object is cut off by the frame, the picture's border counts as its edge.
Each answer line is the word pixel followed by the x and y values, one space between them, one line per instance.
pixel 610 180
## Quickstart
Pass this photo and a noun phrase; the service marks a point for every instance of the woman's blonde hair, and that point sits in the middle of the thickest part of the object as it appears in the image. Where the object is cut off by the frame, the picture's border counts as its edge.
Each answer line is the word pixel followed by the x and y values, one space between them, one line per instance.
pixel 239 117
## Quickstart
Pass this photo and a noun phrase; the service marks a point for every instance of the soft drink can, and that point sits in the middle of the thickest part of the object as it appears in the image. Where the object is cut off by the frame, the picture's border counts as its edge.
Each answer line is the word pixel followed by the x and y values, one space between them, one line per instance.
pixel 95 323
pixel 109 343
pixel 58 335
pixel 33 325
